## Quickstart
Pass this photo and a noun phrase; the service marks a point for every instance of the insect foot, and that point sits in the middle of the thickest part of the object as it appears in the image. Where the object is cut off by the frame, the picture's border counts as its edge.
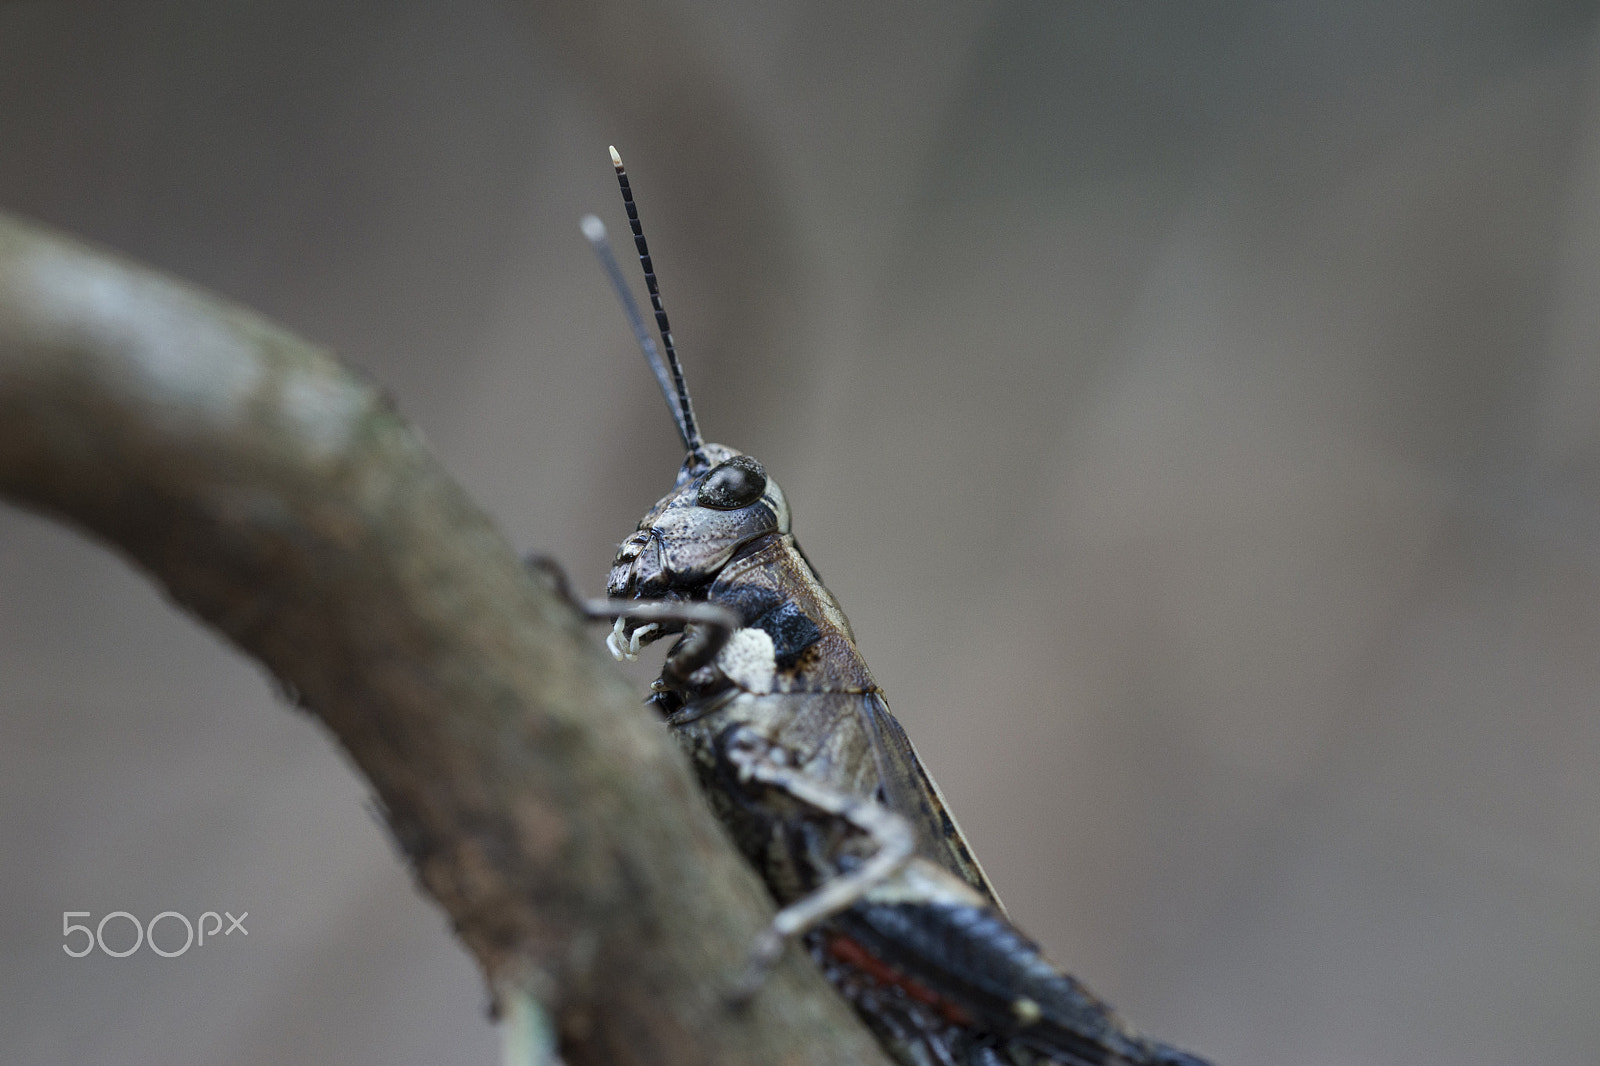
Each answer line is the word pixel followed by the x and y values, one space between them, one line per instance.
pixel 624 645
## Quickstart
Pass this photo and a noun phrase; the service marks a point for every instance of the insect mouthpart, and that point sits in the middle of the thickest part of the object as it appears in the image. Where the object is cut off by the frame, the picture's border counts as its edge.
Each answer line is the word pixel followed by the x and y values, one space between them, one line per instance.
pixel 638 570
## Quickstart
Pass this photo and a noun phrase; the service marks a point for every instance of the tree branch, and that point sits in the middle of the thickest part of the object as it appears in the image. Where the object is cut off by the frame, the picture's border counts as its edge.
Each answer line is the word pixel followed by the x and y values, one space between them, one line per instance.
pixel 284 502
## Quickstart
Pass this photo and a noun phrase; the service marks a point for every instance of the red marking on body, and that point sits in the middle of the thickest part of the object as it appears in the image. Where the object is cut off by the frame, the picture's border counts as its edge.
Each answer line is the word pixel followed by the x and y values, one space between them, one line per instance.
pixel 851 953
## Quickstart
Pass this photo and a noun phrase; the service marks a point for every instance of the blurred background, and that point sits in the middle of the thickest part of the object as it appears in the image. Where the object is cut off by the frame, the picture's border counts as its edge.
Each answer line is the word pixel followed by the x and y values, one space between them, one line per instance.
pixel 1196 409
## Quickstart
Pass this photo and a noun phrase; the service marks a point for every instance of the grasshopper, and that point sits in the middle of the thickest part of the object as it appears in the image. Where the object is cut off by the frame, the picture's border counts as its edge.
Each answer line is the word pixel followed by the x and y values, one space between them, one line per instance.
pixel 812 775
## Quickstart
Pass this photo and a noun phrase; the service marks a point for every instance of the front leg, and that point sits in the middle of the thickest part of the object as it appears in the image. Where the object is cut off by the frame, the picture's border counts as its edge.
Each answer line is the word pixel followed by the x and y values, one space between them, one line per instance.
pixel 894 840
pixel 706 627
pixel 712 623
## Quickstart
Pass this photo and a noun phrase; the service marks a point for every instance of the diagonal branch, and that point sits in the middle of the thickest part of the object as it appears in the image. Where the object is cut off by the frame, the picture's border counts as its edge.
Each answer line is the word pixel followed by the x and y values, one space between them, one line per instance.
pixel 283 501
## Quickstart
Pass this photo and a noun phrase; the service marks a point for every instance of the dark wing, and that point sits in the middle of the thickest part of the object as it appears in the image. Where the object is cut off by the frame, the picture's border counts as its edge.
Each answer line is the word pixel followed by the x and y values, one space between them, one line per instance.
pixel 910 791
pixel 972 958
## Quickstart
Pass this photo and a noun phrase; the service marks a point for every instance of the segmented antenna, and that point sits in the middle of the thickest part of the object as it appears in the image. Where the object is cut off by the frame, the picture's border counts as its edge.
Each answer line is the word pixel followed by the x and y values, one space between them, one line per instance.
pixel 595 230
pixel 685 412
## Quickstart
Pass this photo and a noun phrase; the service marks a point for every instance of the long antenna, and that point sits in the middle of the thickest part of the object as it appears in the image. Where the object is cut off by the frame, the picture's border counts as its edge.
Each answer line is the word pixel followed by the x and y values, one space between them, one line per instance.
pixel 595 230
pixel 686 424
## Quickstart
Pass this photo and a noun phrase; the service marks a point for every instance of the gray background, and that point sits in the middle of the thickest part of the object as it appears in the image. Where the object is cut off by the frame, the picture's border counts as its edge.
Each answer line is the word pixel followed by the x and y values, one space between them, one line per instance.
pixel 1196 410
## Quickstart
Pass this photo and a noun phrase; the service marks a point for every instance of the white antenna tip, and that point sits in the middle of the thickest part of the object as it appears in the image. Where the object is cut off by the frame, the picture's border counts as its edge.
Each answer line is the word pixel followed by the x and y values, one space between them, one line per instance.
pixel 593 228
pixel 616 160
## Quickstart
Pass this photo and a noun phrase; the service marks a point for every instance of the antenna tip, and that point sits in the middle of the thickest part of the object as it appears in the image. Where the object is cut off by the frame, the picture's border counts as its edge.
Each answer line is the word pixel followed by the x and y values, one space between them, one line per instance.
pixel 616 160
pixel 593 228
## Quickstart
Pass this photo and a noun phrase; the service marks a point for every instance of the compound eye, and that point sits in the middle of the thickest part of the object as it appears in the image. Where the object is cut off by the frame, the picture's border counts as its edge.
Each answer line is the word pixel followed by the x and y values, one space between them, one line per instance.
pixel 737 483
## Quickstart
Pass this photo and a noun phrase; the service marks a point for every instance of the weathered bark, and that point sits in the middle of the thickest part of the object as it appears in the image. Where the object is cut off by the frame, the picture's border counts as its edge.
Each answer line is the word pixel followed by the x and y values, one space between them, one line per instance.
pixel 282 500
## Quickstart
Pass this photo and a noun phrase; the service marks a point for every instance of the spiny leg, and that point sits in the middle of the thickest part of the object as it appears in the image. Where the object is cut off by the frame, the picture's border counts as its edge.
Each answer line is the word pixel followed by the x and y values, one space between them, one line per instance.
pixel 893 836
